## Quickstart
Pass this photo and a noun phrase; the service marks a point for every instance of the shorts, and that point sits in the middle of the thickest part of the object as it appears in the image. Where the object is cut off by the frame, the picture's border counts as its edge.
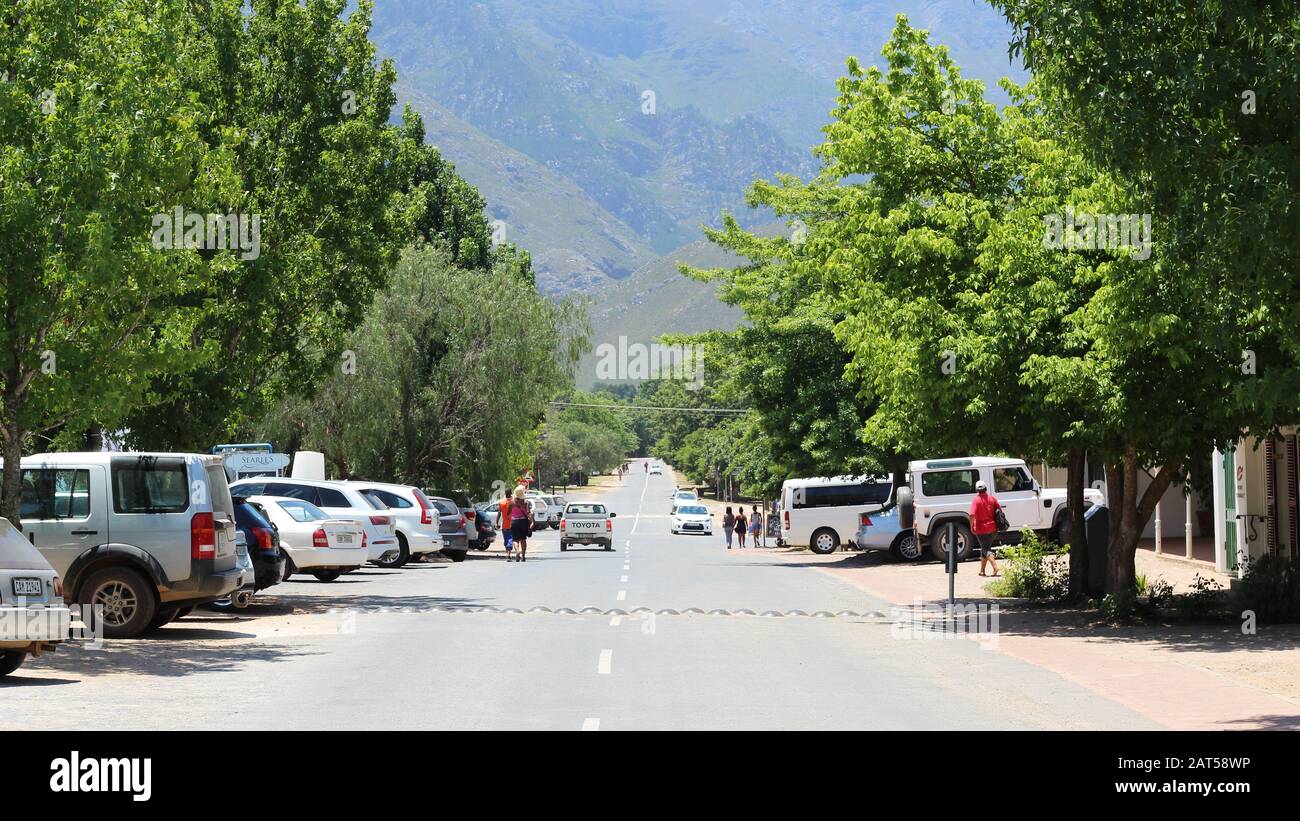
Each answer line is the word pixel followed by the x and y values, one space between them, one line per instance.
pixel 519 529
pixel 986 544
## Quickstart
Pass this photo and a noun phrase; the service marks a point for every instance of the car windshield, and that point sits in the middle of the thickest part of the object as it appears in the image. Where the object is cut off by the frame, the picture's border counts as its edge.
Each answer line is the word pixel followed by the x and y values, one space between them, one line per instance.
pixel 581 509
pixel 301 511
pixel 694 510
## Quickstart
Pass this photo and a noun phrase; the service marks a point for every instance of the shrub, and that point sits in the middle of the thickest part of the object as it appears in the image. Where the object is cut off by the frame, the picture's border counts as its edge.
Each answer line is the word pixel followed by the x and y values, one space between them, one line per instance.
pixel 1203 600
pixel 1031 571
pixel 1118 606
pixel 1270 586
pixel 1159 593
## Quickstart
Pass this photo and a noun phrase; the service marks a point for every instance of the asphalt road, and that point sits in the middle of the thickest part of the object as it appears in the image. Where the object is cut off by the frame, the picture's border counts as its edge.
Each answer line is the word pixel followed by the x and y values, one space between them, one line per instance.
pixel 565 641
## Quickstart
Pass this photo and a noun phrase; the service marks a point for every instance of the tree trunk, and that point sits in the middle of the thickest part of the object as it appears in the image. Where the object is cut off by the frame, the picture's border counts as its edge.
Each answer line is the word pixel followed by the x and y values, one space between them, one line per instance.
pixel 1074 509
pixel 1133 514
pixel 11 494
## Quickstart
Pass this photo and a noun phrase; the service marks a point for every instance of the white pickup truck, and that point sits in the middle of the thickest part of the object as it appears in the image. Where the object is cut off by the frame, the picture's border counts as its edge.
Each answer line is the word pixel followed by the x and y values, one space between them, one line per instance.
pixel 942 491
pixel 587 523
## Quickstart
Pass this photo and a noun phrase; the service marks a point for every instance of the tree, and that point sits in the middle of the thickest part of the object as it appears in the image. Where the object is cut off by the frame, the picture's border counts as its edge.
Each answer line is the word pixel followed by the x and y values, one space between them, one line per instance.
pixel 452 375
pixel 99 130
pixel 294 99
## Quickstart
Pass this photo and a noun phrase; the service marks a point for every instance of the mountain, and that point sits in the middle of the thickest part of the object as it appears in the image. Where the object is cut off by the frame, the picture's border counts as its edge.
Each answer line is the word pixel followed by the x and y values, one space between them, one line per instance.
pixel 606 132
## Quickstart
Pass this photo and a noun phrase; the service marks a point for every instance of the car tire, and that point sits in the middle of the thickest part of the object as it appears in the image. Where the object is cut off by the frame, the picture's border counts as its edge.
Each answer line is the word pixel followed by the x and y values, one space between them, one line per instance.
pixel 907 547
pixel 609 545
pixel 11 660
pixel 134 600
pixel 965 542
pixel 162 618
pixel 289 567
pixel 403 555
pixel 326 575
pixel 824 541
pixel 184 611
pixel 1061 535
pixel 456 555
pixel 563 546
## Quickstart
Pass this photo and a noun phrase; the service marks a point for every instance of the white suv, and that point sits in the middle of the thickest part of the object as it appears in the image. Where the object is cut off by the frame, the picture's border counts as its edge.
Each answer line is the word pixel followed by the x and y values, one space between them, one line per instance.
pixel 942 491
pixel 415 516
pixel 339 501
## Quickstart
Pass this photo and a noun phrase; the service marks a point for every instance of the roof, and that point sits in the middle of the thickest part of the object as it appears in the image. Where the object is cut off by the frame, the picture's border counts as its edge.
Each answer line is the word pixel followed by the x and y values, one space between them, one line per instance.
pixel 963 461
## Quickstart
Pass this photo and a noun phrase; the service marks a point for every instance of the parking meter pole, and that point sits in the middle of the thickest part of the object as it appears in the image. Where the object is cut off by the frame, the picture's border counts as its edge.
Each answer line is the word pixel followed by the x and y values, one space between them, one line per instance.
pixel 952 566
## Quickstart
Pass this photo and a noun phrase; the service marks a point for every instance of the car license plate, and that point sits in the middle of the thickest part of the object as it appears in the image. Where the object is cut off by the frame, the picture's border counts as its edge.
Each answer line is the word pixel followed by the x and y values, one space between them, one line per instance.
pixel 28 587
pixel 343 538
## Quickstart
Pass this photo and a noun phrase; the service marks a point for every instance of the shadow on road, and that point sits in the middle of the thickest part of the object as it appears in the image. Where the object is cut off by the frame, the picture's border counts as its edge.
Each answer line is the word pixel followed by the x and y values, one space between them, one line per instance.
pixel 168 653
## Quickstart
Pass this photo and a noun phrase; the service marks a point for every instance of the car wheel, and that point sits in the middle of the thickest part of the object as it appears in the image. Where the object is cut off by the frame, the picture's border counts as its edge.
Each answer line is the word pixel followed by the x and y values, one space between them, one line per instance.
pixel 939 542
pixel 824 541
pixel 1063 530
pixel 11 660
pixel 456 555
pixel 907 547
pixel 609 545
pixel 403 555
pixel 184 611
pixel 563 547
pixel 326 575
pixel 289 567
pixel 129 601
pixel 162 618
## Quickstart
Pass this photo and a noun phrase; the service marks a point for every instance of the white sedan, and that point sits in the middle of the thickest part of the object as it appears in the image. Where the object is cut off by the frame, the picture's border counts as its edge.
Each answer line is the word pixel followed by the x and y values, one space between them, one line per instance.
pixel 313 542
pixel 688 518
pixel 33 617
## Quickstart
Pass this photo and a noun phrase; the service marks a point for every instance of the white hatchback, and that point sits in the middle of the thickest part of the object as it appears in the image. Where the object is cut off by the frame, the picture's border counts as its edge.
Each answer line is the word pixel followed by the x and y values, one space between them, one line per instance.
pixel 33 617
pixel 414 515
pixel 313 542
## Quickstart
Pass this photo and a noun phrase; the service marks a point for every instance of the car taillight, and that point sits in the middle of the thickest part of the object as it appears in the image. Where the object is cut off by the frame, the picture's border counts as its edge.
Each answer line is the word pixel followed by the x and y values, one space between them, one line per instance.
pixel 864 520
pixel 318 539
pixel 609 524
pixel 364 541
pixel 426 512
pixel 58 587
pixel 462 520
pixel 563 524
pixel 787 520
pixel 379 521
pixel 203 536
pixel 264 540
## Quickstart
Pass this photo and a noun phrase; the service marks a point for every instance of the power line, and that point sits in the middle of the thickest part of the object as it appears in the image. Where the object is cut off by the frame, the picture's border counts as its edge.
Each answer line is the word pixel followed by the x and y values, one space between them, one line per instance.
pixel 719 411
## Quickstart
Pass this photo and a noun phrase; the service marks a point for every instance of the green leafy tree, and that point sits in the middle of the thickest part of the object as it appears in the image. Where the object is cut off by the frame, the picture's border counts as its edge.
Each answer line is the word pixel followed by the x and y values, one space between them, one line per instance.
pixel 99 129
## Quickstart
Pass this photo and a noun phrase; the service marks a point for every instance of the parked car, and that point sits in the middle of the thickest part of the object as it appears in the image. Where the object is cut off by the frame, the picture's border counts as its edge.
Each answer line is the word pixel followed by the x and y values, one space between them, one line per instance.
pixel 485 520
pixel 240 598
pixel 263 544
pixel 338 501
pixel 942 491
pixel 554 511
pixel 689 518
pixel 451 526
pixel 33 617
pixel 540 511
pixel 822 512
pixel 311 540
pixel 145 535
pixel 413 514
pixel 587 523
pixel 884 531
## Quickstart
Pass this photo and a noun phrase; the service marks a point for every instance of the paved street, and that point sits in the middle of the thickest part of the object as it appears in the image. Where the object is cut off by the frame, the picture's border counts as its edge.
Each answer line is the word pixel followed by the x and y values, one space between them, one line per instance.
pixel 568 641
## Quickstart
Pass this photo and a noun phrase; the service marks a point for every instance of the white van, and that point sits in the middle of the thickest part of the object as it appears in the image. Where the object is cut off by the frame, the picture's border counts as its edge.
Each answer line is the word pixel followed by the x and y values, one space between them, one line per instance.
pixel 822 512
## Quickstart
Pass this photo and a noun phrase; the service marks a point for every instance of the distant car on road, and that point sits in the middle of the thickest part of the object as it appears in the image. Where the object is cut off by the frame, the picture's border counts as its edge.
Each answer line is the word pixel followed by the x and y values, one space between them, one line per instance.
pixel 33 617
pixel 689 518
pixel 587 523
pixel 656 469
pixel 312 541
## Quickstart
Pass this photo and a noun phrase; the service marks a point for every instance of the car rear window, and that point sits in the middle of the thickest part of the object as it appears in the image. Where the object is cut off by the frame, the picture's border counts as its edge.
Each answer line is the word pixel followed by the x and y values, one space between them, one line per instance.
pixel 150 484
pixel 581 509
pixel 329 497
pixel 390 499
pixel 949 482
pixel 445 507
pixel 301 511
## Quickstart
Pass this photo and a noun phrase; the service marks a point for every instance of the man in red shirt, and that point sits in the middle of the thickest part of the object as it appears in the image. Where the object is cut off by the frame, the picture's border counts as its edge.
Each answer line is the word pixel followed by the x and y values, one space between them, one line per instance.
pixel 984 525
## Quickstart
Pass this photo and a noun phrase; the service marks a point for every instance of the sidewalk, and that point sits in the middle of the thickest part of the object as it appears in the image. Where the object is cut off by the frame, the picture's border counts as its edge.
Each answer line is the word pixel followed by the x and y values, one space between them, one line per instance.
pixel 1185 677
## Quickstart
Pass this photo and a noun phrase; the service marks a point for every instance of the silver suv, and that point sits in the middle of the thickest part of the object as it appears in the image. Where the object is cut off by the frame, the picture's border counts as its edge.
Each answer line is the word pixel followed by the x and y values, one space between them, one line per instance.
pixel 144 535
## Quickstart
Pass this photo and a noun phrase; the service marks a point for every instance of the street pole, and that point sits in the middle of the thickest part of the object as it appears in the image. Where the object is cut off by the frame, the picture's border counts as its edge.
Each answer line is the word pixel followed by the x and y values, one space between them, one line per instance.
pixel 952 568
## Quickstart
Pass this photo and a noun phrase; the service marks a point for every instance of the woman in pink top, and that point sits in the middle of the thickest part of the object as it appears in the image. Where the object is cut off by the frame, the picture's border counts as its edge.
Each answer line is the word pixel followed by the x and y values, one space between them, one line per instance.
pixel 519 523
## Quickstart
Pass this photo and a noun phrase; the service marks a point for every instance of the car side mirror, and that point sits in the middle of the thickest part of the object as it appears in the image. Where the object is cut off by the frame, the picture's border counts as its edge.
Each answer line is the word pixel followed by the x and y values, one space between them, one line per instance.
pixel 612 514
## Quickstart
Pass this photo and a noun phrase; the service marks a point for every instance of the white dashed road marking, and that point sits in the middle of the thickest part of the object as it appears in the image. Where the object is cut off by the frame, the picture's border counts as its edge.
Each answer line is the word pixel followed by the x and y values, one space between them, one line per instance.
pixel 622 595
pixel 606 659
pixel 590 725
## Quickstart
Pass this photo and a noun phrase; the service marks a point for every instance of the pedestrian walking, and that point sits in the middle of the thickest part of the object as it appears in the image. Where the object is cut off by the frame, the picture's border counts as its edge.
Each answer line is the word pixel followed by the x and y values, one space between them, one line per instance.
pixel 728 525
pixel 741 524
pixel 984 524
pixel 521 522
pixel 503 523
pixel 756 528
